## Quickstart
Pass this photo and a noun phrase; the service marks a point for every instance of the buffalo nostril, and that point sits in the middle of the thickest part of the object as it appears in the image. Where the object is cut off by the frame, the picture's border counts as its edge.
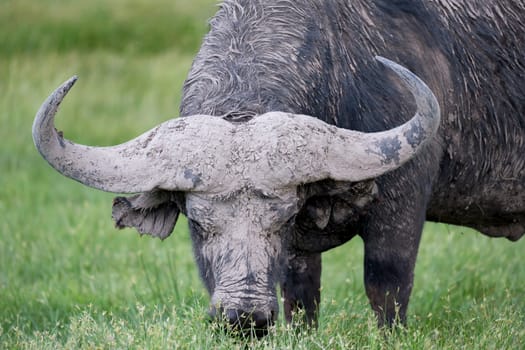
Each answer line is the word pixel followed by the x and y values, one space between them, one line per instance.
pixel 235 317
pixel 261 319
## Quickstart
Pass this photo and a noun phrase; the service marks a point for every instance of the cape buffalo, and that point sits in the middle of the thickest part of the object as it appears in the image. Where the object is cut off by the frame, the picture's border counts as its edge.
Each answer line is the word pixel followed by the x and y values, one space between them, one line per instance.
pixel 293 139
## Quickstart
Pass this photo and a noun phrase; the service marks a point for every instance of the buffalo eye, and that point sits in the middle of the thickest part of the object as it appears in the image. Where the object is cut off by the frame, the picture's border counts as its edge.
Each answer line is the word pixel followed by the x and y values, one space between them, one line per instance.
pixel 204 230
pixel 263 195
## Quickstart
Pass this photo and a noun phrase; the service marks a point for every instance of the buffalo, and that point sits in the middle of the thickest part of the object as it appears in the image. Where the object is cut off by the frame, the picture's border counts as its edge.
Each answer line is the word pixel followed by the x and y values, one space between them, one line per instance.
pixel 292 139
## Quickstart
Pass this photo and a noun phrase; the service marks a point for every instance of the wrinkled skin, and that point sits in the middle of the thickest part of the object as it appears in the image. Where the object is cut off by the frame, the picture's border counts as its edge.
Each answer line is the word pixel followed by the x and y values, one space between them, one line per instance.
pixel 239 252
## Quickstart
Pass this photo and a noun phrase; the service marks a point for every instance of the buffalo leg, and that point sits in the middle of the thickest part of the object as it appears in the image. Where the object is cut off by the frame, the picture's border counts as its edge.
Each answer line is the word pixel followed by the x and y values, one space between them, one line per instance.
pixel 391 246
pixel 301 285
pixel 388 283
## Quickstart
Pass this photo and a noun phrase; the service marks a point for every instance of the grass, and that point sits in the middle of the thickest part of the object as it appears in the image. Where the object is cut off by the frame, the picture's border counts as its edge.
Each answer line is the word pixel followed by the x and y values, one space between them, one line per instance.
pixel 69 280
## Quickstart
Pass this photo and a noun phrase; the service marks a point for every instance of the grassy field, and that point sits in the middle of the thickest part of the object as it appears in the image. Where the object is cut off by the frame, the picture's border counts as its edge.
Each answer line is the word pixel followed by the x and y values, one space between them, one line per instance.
pixel 69 280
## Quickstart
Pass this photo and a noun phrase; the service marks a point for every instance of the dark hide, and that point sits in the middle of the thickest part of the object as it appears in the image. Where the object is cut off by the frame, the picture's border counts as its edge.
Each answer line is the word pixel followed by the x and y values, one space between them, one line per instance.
pixel 316 58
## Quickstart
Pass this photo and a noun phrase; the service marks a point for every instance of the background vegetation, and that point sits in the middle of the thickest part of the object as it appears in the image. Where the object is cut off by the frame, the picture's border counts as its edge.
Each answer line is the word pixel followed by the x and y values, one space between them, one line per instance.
pixel 69 280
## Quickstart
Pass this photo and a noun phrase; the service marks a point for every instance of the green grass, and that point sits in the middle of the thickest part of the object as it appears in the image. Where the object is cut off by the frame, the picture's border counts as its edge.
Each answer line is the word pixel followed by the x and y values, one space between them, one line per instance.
pixel 69 280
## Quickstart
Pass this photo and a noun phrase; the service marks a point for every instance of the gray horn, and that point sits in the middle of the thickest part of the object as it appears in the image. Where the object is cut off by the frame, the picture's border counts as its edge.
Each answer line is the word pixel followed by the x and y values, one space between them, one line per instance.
pixel 349 155
pixel 377 153
pixel 142 164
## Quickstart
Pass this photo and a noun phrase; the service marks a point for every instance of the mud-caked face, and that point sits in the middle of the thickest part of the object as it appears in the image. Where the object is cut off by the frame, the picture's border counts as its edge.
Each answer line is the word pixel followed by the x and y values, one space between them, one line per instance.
pixel 238 242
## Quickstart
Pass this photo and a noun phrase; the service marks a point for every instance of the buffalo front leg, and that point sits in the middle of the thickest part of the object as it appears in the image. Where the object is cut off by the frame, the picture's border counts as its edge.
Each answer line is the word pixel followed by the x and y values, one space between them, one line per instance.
pixel 391 245
pixel 301 286
pixel 388 283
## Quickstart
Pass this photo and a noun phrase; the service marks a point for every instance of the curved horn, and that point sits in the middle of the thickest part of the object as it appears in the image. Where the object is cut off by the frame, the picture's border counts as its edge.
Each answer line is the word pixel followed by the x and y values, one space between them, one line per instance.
pixel 356 156
pixel 142 164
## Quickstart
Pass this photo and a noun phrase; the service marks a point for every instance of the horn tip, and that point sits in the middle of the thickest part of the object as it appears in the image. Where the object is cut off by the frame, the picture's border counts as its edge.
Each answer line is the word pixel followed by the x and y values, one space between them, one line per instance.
pixel 70 82
pixel 43 122
pixel 388 63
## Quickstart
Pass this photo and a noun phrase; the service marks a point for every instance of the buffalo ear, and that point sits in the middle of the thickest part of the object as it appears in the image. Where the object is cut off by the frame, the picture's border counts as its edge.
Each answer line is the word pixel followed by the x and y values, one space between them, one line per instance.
pixel 152 213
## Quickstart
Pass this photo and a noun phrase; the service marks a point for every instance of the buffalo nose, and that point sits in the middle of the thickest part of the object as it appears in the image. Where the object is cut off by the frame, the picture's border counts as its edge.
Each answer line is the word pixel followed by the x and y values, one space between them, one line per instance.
pixel 243 319
pixel 256 322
